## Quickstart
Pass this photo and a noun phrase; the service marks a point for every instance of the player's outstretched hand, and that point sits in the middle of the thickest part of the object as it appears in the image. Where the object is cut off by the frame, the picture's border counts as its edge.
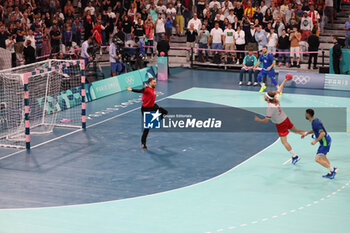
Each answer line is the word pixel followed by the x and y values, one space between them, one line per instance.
pixel 128 88
pixel 313 142
pixel 304 135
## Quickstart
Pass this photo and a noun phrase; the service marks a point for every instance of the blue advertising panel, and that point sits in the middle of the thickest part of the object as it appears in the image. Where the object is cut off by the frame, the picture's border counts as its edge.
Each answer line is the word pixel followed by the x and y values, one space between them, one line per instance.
pixel 71 97
pixel 337 82
pixel 303 80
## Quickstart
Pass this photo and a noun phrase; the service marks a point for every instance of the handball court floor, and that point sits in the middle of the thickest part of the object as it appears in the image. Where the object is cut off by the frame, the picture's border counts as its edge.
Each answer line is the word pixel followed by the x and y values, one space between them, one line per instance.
pixel 99 180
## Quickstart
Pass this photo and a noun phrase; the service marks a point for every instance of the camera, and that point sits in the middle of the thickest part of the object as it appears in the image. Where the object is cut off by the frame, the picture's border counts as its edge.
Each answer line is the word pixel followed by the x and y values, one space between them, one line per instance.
pixel 93 50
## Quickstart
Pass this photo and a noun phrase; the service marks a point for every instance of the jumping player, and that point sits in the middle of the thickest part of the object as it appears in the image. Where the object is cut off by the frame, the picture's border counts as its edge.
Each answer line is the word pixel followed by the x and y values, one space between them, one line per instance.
pixel 277 116
pixel 268 68
pixel 323 137
pixel 148 104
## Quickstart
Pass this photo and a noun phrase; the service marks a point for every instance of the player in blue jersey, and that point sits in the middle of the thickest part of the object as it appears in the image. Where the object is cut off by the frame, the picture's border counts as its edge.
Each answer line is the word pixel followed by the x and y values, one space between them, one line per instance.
pixel 323 137
pixel 268 68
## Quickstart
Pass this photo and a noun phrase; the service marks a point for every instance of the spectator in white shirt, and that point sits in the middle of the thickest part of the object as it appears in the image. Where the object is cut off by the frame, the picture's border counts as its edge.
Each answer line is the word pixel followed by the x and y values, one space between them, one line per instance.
pixel 111 14
pixel 278 26
pixel 160 27
pixel 216 37
pixel 84 51
pixel 231 16
pixel 226 9
pixel 240 44
pixel 10 46
pixel 306 26
pixel 215 2
pixel 272 40
pixel 227 2
pixel 30 37
pixel 196 22
pixel 90 8
pixel 288 14
pixel 229 40
pixel 263 8
pixel 206 9
pixel 171 10
pixel 161 8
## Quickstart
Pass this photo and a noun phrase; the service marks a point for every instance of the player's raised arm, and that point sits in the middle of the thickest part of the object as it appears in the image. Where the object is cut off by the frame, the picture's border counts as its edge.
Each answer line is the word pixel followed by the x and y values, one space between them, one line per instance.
pixel 135 90
pixel 281 86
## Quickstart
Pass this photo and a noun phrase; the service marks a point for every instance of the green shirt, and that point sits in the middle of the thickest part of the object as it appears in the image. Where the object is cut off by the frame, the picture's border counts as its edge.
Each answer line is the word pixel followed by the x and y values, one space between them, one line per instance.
pixel 204 37
pixel 250 60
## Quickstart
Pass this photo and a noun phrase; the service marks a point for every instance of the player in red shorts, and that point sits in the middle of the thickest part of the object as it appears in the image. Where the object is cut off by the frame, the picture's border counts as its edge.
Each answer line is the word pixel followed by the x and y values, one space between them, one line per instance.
pixel 275 113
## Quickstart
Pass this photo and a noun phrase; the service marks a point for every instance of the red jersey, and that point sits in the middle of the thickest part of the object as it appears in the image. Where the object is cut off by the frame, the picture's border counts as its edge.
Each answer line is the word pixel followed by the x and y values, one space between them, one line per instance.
pixel 148 97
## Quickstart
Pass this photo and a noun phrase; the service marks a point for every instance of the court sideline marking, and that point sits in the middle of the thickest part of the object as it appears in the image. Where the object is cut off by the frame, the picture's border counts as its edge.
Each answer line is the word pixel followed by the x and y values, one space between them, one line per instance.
pixel 78 130
pixel 286 212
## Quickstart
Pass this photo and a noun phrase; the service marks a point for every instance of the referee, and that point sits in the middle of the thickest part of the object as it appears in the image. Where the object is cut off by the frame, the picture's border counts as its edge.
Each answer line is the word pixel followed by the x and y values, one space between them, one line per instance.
pixel 148 104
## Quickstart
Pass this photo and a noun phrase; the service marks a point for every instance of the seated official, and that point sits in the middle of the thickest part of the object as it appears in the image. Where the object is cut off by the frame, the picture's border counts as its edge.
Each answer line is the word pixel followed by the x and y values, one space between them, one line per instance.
pixel 248 64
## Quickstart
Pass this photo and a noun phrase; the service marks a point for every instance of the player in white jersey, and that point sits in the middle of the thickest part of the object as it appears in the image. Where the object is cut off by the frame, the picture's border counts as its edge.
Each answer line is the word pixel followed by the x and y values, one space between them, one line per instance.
pixel 275 113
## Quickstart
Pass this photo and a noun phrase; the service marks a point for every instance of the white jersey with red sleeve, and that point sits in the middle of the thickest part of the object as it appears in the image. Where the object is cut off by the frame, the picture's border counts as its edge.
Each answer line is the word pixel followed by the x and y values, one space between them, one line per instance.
pixel 275 113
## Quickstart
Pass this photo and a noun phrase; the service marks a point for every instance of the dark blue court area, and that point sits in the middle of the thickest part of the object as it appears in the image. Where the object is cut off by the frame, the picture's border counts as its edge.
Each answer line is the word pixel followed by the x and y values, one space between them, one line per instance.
pixel 106 162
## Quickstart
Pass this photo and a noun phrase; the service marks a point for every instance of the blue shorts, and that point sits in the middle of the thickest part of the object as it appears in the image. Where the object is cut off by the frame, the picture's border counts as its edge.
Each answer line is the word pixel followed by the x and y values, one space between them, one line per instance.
pixel 271 73
pixel 323 150
pixel 216 46
pixel 86 61
pixel 116 67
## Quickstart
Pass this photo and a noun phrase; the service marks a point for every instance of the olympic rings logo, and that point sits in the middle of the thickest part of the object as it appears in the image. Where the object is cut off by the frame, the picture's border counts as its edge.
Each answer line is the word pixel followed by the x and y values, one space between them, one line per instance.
pixel 300 79
pixel 129 80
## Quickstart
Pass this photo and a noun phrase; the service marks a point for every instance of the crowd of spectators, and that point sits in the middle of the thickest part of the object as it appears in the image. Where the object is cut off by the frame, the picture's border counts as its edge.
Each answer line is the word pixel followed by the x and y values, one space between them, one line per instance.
pixel 34 29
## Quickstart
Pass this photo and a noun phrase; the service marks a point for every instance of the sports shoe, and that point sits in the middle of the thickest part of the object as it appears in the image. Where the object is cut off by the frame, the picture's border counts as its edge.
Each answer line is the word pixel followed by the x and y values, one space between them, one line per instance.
pixel 255 84
pixel 249 83
pixel 328 175
pixel 143 146
pixel 262 89
pixel 334 172
pixel 237 62
pixel 295 160
pixel 240 83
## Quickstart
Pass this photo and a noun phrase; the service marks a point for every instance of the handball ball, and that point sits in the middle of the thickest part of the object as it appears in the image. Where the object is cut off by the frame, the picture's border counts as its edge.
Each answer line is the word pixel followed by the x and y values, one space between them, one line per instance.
pixel 289 77
pixel 162 54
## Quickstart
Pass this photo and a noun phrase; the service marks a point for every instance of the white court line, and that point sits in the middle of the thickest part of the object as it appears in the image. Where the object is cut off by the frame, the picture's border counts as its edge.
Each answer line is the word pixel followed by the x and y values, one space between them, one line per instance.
pixel 154 194
pixel 78 130
pixel 287 161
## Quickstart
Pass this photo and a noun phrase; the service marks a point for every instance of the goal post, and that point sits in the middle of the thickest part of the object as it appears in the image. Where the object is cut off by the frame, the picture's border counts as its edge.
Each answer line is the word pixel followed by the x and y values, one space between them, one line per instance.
pixel 36 98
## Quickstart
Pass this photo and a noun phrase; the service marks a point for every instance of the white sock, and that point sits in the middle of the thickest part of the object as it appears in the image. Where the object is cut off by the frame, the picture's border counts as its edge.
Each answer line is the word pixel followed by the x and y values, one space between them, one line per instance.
pixel 262 84
pixel 293 154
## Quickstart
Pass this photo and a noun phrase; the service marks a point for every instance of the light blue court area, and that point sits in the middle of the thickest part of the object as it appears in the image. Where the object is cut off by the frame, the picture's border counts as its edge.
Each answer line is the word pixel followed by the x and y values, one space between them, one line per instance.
pixel 101 181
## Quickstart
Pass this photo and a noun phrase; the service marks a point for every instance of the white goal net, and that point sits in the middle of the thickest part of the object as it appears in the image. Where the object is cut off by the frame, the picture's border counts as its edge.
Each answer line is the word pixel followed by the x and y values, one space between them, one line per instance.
pixel 37 97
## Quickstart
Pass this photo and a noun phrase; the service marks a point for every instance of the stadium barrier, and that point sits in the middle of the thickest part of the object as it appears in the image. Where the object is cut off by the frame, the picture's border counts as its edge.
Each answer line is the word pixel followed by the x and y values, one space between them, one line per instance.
pixel 96 90
pixel 316 81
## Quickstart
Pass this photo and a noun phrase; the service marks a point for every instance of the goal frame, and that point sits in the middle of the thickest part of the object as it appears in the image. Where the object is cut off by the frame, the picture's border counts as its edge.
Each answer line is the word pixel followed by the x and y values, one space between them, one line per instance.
pixel 25 77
